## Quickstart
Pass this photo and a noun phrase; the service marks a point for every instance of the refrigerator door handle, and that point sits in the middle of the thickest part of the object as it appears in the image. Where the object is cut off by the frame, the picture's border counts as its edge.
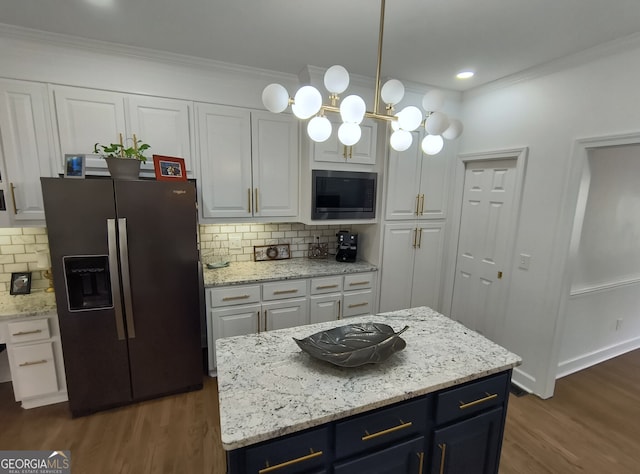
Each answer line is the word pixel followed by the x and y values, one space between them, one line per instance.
pixel 113 275
pixel 126 279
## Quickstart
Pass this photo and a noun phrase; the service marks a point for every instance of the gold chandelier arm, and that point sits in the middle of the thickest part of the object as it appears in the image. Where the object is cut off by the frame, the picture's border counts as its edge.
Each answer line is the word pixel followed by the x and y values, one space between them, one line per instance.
pixel 379 67
pixel 374 115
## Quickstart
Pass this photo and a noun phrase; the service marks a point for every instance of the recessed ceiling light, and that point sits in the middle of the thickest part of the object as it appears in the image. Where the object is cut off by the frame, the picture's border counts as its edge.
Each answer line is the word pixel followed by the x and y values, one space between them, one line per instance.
pixel 465 74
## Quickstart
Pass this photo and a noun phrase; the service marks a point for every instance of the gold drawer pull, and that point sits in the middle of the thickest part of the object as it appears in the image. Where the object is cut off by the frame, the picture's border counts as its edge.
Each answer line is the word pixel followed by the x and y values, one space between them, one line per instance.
pixel 282 292
pixel 24 333
pixel 354 283
pixel 490 396
pixel 355 305
pixel 421 457
pixel 324 287
pixel 290 463
pixel 231 298
pixel 443 448
pixel 35 362
pixel 401 426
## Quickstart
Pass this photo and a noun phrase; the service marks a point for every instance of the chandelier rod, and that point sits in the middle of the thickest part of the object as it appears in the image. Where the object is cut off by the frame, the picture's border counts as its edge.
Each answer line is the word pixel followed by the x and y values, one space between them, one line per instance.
pixel 376 97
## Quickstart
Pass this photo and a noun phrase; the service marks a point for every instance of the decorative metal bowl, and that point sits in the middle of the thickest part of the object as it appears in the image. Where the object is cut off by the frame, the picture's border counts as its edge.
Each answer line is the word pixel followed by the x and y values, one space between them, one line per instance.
pixel 354 344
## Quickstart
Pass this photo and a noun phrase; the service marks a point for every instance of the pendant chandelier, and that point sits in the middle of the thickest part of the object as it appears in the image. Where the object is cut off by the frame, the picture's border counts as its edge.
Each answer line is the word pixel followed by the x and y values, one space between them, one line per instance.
pixel 307 103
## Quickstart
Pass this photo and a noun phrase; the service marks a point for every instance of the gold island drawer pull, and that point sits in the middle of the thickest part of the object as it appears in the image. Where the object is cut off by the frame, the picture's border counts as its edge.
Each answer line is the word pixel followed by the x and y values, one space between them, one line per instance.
pixel 401 426
pixel 354 283
pixel 324 287
pixel 355 305
pixel 24 333
pixel 35 362
pixel 490 396
pixel 312 455
pixel 443 448
pixel 231 298
pixel 282 292
pixel 421 458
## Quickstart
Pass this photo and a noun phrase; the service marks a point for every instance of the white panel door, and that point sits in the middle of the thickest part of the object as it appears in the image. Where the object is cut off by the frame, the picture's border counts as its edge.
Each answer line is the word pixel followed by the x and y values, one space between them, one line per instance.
pixel 231 321
pixel 275 164
pixel 285 313
pixel 324 307
pixel 425 290
pixel 397 266
pixel 225 161
pixel 482 245
pixel 165 124
pixel 404 182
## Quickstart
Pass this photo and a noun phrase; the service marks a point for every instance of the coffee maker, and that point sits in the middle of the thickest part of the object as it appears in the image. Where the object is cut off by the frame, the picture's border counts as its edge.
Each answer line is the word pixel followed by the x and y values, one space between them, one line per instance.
pixel 347 246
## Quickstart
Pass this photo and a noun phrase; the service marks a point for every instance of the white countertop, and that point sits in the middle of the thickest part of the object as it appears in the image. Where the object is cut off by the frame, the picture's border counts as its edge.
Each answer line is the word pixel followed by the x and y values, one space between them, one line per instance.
pixel 268 387
pixel 34 304
pixel 238 273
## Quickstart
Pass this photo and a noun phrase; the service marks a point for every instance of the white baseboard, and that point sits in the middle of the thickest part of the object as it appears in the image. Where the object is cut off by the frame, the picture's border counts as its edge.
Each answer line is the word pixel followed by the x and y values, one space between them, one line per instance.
pixel 523 380
pixel 584 361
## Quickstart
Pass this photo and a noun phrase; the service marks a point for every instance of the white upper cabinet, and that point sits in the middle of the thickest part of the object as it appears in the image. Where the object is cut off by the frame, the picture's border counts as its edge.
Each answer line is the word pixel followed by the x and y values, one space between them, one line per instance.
pixel 89 116
pixel 332 151
pixel 26 150
pixel 417 183
pixel 248 163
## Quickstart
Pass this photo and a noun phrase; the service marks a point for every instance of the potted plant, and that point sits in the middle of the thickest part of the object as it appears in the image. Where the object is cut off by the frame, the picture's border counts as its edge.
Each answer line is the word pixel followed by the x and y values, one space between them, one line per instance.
pixel 123 162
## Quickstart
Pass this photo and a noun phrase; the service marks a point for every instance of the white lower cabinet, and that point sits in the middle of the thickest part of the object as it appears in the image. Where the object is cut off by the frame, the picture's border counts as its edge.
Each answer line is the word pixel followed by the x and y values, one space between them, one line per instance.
pixel 247 309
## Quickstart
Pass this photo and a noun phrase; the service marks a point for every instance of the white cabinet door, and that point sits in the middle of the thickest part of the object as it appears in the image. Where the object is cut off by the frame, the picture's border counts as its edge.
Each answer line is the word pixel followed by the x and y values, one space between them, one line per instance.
pixel 274 143
pixel 26 148
pixel 285 313
pixel 165 124
pixel 332 151
pixel 324 307
pixel 231 321
pixel 35 370
pixel 425 290
pixel 225 161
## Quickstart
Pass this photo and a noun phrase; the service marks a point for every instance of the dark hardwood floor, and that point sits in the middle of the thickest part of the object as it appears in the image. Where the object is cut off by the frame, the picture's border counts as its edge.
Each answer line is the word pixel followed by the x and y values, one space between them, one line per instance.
pixel 591 425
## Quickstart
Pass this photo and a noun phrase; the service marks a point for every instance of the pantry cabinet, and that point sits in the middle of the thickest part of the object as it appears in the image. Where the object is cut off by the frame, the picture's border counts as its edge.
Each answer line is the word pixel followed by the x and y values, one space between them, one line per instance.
pixel 26 151
pixel 248 163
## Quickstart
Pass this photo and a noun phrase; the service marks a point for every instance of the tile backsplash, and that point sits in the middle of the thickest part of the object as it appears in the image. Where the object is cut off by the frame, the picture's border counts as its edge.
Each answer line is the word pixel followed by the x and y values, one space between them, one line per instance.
pixel 18 253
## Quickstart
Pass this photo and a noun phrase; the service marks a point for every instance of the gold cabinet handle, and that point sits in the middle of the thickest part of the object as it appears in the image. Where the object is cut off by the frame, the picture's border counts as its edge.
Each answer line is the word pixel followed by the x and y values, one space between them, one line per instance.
pixel 499 275
pixel 490 396
pixel 339 309
pixel 13 198
pixel 421 458
pixel 255 203
pixel 443 448
pixel 417 204
pixel 401 426
pixel 344 151
pixel 284 292
pixel 249 200
pixel 419 237
pixel 422 204
pixel 232 298
pixel 351 151
pixel 265 320
pixel 325 287
pixel 24 333
pixel 356 283
pixel 312 455
pixel 35 362
pixel 415 238
pixel 355 305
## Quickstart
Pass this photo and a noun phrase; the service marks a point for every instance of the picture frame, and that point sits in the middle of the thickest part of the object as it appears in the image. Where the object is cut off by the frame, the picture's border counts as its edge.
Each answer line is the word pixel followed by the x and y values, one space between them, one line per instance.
pixel 20 283
pixel 74 166
pixel 169 168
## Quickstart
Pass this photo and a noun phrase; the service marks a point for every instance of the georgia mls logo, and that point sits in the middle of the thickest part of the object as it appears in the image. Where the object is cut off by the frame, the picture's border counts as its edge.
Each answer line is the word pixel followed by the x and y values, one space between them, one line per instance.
pixel 35 462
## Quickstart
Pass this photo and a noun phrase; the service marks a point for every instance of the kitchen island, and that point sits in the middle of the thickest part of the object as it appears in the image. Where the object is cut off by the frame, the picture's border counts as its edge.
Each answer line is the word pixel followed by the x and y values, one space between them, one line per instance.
pixel 282 411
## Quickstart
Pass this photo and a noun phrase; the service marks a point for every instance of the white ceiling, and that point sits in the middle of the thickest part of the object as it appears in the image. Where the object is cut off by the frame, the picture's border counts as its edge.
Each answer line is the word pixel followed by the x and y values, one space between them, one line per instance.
pixel 425 41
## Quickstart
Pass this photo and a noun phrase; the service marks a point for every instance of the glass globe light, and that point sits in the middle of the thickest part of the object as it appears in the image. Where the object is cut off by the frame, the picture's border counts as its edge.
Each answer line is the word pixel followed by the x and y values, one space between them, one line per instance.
pixel 319 129
pixel 349 133
pixel 433 100
pixel 432 144
pixel 307 102
pixel 409 118
pixel 336 79
pixel 395 124
pixel 352 109
pixel 436 123
pixel 392 91
pixel 275 98
pixel 454 130
pixel 400 140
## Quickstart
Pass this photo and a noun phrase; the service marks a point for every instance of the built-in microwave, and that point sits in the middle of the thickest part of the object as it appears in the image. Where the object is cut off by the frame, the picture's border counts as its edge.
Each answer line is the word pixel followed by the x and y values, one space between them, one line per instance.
pixel 343 195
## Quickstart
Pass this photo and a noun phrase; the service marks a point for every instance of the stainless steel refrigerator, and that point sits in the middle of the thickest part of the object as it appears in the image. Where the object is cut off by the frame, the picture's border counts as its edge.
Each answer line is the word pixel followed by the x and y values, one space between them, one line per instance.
pixel 124 258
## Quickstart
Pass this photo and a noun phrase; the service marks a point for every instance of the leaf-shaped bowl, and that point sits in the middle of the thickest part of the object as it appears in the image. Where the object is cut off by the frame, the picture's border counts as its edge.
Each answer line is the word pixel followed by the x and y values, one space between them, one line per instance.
pixel 354 344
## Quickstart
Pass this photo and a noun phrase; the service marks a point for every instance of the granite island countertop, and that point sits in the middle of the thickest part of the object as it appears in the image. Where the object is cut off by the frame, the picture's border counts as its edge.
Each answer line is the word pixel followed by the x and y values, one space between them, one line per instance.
pixel 269 388
pixel 238 273
pixel 36 303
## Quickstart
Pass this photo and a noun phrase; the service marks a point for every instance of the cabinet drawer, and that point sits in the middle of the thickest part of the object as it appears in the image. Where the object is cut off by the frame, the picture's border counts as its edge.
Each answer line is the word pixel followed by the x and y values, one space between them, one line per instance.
pixel 35 370
pixel 295 454
pixel 386 425
pixel 26 331
pixel 358 281
pixel 284 289
pixel 472 398
pixel 326 285
pixel 404 457
pixel 231 295
pixel 357 303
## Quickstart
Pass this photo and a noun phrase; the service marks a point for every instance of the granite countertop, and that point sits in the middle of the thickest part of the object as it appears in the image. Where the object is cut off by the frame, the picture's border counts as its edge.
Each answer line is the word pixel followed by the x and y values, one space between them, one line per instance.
pixel 268 387
pixel 34 304
pixel 238 273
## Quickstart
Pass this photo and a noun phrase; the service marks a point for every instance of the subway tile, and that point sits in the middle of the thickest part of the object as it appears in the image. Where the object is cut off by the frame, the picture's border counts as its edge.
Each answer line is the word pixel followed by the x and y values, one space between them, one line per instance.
pixel 11 249
pixel 249 235
pixel 284 227
pixel 10 231
pixel 264 235
pixel 5 240
pixel 7 259
pixel 16 267
pixel 257 227
pixel 290 234
pixel 277 235
pixel 34 230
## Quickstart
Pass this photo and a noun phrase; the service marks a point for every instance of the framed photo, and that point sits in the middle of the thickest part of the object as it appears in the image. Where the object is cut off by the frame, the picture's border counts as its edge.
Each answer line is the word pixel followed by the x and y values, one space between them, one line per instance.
pixel 20 283
pixel 74 166
pixel 169 168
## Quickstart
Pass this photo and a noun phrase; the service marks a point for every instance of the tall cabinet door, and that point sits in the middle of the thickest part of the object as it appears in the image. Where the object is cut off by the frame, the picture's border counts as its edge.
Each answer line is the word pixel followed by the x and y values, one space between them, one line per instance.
pixel 26 148
pixel 403 196
pixel 425 290
pixel 225 161
pixel 274 142
pixel 397 266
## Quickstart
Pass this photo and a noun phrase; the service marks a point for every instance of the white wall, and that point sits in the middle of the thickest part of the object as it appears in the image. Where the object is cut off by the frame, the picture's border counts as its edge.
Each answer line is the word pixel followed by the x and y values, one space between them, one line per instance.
pixel 548 114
